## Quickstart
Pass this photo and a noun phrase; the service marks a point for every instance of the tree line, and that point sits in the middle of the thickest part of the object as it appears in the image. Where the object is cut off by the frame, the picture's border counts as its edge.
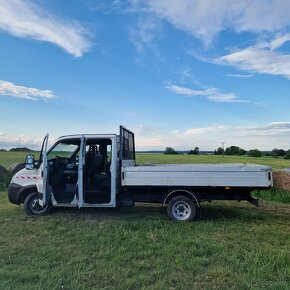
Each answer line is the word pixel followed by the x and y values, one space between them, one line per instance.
pixel 17 149
pixel 237 151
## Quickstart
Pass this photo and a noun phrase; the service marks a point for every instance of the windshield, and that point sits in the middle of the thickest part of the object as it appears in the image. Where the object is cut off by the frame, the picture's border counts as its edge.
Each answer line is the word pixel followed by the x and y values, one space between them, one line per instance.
pixel 64 150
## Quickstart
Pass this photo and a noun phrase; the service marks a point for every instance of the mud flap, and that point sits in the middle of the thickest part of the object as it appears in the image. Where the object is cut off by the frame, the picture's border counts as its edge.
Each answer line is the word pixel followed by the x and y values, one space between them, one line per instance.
pixel 253 200
pixel 198 212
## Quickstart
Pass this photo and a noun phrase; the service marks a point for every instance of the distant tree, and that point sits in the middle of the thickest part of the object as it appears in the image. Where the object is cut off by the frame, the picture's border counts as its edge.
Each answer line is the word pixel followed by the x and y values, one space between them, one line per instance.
pixel 170 150
pixel 219 151
pixel 235 150
pixel 243 151
pixel 281 152
pixel 287 156
pixel 20 149
pixel 3 150
pixel 195 151
pixel 274 152
pixel 255 153
pixel 278 152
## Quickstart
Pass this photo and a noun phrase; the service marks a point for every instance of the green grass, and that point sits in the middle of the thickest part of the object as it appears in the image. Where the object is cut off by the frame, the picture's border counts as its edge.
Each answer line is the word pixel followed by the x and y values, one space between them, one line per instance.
pixel 275 163
pixel 234 245
pixel 8 158
pixel 274 194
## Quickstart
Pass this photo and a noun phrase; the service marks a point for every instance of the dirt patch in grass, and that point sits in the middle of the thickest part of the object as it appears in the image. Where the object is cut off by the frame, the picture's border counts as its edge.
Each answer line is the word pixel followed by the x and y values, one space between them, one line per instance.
pixel 281 179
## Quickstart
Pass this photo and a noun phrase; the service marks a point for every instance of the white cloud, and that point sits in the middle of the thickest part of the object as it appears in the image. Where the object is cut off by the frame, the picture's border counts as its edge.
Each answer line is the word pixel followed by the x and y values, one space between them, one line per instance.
pixel 226 98
pixel 260 59
pixel 147 129
pixel 27 20
pixel 272 129
pixel 205 19
pixel 8 141
pixel 239 75
pixel 144 33
pixel 202 130
pixel 189 92
pixel 11 90
pixel 279 41
pixel 212 94
pixel 263 137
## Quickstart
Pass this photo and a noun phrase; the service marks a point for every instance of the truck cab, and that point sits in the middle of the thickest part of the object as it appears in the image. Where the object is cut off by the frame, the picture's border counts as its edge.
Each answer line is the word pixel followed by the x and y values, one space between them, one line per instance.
pixel 77 171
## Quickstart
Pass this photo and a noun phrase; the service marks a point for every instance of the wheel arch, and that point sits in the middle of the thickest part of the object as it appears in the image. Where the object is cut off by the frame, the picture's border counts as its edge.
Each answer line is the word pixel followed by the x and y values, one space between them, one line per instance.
pixel 185 192
pixel 25 192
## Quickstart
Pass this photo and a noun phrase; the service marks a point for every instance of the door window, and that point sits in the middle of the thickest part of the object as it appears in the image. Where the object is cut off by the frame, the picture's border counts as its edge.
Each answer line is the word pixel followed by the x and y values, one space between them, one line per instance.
pixel 63 150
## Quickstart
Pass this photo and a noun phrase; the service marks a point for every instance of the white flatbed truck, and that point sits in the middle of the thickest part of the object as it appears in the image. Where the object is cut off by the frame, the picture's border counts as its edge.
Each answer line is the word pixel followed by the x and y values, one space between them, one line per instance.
pixel 101 171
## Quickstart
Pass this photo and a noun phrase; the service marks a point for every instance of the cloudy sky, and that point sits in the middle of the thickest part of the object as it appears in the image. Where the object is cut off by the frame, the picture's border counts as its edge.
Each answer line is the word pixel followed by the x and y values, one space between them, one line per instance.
pixel 179 73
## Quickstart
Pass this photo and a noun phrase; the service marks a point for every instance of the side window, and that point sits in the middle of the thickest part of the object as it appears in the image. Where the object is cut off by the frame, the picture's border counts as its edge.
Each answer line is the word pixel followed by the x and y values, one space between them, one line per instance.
pixel 92 148
pixel 109 154
pixel 128 145
pixel 99 147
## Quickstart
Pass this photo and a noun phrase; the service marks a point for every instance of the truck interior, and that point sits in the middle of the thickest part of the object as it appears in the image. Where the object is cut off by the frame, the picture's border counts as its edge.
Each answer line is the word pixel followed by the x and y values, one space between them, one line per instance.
pixel 63 169
pixel 63 162
pixel 97 174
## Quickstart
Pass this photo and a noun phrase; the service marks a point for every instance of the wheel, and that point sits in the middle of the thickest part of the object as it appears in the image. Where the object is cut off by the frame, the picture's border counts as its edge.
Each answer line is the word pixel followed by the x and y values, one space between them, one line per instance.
pixel 32 205
pixel 181 208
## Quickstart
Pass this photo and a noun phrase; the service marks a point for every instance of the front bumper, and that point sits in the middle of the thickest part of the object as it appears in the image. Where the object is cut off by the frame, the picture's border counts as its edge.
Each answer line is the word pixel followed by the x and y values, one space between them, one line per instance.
pixel 14 191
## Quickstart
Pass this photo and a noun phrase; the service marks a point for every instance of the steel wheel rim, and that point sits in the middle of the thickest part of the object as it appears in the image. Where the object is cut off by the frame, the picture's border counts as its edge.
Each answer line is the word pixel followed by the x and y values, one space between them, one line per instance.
pixel 36 207
pixel 181 210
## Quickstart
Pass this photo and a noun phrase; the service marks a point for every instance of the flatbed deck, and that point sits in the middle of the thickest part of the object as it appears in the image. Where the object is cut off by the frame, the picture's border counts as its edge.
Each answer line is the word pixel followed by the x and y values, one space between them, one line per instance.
pixel 194 175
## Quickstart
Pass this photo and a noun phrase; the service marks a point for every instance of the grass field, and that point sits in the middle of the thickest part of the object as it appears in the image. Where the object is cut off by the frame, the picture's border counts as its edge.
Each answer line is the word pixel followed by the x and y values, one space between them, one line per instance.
pixel 8 158
pixel 233 245
pixel 275 163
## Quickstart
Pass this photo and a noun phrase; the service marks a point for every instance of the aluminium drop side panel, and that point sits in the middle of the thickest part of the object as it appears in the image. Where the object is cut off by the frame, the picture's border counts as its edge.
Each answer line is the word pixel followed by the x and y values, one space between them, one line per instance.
pixel 235 175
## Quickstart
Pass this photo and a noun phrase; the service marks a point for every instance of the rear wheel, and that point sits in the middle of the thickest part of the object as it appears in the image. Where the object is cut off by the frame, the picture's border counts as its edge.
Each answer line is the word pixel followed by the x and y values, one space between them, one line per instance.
pixel 181 208
pixel 33 205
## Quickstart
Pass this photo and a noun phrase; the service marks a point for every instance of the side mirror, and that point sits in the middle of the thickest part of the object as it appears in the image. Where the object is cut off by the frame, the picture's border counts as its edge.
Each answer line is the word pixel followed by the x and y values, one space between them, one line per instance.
pixel 29 162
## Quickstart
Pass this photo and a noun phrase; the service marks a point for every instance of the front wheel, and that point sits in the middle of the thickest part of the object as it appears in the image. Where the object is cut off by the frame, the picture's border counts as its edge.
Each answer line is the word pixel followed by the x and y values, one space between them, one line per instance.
pixel 181 208
pixel 33 206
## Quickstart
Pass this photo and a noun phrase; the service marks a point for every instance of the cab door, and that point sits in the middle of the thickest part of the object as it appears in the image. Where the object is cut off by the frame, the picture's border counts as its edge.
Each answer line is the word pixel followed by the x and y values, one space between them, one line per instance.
pixel 81 167
pixel 43 159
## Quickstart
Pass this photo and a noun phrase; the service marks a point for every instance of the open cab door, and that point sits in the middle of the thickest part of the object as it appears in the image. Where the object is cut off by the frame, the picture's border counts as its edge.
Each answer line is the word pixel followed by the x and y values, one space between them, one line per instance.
pixel 43 159
pixel 81 167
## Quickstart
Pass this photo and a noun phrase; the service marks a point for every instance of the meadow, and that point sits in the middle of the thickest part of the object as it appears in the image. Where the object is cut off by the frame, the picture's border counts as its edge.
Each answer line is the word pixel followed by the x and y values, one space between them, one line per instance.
pixel 275 163
pixel 233 245
pixel 8 158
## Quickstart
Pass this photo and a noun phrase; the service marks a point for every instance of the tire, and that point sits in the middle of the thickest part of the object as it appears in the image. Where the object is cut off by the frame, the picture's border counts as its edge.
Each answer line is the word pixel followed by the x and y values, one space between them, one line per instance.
pixel 181 209
pixel 32 206
pixel 15 167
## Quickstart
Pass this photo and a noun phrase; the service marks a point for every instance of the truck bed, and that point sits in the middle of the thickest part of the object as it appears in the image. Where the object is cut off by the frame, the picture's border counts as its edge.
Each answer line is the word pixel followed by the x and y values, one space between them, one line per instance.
pixel 198 175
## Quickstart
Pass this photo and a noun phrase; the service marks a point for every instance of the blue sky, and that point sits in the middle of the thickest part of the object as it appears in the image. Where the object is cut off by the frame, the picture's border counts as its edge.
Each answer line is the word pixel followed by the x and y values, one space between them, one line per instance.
pixel 179 73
